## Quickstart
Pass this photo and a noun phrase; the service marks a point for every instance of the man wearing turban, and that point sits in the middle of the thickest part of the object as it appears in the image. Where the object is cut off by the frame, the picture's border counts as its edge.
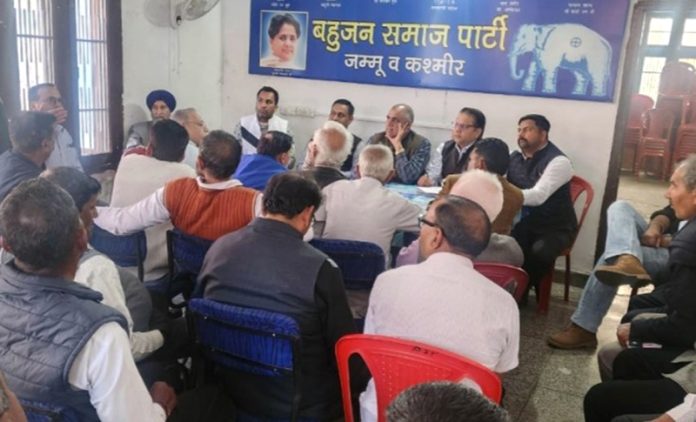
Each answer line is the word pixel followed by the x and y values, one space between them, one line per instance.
pixel 161 103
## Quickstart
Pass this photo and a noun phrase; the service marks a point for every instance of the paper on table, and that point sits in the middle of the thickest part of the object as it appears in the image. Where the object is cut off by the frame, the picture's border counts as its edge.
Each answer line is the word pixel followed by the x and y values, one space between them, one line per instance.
pixel 430 190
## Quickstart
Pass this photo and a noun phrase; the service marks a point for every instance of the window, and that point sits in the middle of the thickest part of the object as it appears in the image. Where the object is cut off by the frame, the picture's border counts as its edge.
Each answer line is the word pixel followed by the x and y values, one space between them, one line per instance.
pixel 76 45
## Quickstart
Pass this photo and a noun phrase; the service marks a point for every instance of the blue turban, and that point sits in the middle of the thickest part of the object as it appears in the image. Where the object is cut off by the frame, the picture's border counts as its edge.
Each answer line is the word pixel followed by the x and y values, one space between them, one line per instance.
pixel 161 95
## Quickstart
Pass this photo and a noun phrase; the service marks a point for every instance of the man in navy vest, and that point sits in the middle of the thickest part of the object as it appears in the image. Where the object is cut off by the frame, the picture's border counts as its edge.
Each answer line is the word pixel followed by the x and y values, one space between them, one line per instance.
pixel 58 344
pixel 548 220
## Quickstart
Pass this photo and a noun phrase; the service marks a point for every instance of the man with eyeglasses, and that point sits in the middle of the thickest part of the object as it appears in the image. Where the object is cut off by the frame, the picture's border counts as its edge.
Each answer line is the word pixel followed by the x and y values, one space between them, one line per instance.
pixel 196 128
pixel 46 97
pixel 452 156
pixel 411 150
pixel 442 300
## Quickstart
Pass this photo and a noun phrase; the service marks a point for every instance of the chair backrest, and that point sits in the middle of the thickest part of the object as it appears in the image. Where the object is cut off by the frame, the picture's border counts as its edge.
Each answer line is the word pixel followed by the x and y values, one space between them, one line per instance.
pixel 688 116
pixel 360 262
pixel 511 278
pixel 396 364
pixel 639 105
pixel 677 78
pixel 126 251
pixel 657 123
pixel 250 340
pixel 578 185
pixel 37 411
pixel 186 253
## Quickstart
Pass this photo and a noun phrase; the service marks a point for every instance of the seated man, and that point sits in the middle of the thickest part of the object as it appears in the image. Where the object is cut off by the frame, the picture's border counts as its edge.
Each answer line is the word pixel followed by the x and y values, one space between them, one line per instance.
pixel 326 152
pixel 273 155
pixel 443 301
pixel 638 253
pixel 92 371
pixel 364 209
pixel 492 155
pixel 196 129
pixel 452 157
pixel 649 381
pixel 485 189
pixel 548 221
pixel 160 103
pixel 251 127
pixel 411 150
pixel 443 401
pixel 246 269
pixel 139 176
pixel 32 144
pixel 342 111
pixel 46 98
pixel 207 207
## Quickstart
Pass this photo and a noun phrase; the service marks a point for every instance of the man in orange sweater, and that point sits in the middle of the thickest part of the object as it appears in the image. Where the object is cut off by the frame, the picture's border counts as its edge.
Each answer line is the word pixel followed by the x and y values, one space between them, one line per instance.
pixel 208 206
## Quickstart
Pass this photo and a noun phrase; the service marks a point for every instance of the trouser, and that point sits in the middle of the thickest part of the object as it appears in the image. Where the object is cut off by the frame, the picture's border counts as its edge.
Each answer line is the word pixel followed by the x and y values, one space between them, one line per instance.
pixel 638 386
pixel 625 226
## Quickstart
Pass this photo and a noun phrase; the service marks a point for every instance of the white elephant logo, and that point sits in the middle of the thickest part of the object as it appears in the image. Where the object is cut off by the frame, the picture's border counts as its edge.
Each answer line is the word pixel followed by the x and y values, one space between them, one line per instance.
pixel 570 46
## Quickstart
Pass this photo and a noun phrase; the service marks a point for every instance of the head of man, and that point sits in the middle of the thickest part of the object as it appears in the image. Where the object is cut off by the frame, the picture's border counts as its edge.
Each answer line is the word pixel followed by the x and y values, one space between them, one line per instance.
pixel 376 161
pixel 682 189
pixel 276 145
pixel 283 33
pixel 454 224
pixel 83 189
pixel 46 97
pixel 161 103
pixel 444 402
pixel 168 140
pixel 193 123
pixel 532 133
pixel 482 187
pixel 41 227
pixel 400 117
pixel 266 102
pixel 332 143
pixel 490 154
pixel 31 133
pixel 342 112
pixel 291 199
pixel 468 126
pixel 218 156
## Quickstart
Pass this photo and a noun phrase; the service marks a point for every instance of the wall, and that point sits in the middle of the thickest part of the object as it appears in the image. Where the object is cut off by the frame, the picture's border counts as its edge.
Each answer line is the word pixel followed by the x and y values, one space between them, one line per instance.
pixel 186 61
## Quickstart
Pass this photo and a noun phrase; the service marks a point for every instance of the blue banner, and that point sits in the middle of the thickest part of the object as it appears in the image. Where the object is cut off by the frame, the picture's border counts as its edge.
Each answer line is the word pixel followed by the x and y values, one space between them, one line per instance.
pixel 546 48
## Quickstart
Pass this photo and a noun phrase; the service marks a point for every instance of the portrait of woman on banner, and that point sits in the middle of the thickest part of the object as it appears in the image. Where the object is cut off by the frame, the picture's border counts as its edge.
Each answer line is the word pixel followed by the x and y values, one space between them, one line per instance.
pixel 284 41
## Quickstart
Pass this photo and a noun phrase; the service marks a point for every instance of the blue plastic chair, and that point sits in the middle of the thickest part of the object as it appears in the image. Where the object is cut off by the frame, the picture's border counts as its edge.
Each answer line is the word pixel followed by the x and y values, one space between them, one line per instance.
pixel 185 256
pixel 125 251
pixel 38 411
pixel 249 340
pixel 360 262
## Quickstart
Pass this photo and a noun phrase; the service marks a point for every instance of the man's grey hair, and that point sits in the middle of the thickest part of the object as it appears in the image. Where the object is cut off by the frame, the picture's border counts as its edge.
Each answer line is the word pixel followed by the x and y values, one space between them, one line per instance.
pixel 410 115
pixel 689 166
pixel 333 143
pixel 183 115
pixel 376 161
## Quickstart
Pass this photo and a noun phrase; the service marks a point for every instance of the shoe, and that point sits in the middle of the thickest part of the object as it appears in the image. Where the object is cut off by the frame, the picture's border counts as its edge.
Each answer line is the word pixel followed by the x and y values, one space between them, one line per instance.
pixel 573 337
pixel 626 270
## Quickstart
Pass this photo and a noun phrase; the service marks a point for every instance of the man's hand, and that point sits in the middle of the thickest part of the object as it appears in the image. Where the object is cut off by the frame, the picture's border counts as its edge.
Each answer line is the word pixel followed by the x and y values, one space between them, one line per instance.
pixel 163 395
pixel 59 113
pixel 308 162
pixel 651 237
pixel 400 135
pixel 623 332
pixel 424 180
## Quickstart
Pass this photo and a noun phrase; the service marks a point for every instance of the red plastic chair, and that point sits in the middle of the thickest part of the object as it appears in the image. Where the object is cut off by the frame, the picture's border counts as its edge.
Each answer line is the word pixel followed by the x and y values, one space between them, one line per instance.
pixel 677 78
pixel 578 185
pixel 686 133
pixel 639 105
pixel 397 364
pixel 511 278
pixel 655 136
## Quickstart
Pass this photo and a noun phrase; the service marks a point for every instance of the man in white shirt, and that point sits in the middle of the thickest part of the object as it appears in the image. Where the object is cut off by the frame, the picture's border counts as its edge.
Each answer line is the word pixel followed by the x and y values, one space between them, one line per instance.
pixel 139 175
pixel 192 121
pixel 251 127
pixel 443 301
pixel 364 209
pixel 93 370
pixel 46 97
pixel 548 222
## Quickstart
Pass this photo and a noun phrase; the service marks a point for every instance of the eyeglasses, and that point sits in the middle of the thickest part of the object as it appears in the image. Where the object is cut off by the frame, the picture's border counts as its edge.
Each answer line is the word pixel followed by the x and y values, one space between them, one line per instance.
pixel 422 220
pixel 461 126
